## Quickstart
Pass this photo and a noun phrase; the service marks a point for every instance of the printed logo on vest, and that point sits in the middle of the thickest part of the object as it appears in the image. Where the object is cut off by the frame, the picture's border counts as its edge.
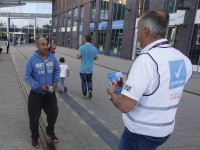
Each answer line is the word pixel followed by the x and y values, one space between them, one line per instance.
pixel 127 87
pixel 177 73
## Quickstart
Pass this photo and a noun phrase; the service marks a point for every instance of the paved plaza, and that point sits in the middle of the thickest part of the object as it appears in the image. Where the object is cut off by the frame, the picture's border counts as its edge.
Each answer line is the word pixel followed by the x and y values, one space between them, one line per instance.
pixel 85 124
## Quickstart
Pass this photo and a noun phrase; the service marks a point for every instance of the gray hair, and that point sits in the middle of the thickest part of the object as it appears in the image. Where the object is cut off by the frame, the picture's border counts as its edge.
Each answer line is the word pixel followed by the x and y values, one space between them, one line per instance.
pixel 156 22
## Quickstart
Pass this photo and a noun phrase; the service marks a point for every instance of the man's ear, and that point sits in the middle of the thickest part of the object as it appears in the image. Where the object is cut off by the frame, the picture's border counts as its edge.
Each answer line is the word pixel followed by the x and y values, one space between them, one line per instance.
pixel 146 32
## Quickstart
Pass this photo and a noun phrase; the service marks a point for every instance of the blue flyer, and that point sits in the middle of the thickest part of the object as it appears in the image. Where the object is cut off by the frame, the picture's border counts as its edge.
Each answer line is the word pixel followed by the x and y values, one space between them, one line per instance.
pixel 118 79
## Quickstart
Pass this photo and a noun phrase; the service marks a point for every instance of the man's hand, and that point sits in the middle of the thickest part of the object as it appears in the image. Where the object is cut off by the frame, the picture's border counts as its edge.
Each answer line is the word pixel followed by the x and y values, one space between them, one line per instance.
pixel 111 89
pixel 45 88
pixel 54 85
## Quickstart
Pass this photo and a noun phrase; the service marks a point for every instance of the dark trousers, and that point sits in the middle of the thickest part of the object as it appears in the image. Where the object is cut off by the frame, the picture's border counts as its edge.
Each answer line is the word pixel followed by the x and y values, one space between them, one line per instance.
pixel 132 141
pixel 7 49
pixel 37 102
pixel 86 78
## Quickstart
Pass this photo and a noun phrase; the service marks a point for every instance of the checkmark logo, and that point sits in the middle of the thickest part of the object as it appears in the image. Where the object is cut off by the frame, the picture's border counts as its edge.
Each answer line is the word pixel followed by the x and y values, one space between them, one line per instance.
pixel 178 73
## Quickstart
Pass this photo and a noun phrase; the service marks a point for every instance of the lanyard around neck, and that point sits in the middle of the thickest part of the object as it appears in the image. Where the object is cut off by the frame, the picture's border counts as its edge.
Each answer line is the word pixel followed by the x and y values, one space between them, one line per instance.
pixel 159 44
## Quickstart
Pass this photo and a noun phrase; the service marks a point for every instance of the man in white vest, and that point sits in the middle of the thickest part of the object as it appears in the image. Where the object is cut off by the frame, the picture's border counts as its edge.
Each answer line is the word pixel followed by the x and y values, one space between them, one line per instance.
pixel 154 86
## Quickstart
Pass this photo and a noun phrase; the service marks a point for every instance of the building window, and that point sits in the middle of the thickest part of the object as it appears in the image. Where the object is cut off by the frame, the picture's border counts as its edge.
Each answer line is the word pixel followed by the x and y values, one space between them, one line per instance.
pixel 81 25
pixel 59 4
pixel 116 40
pixel 74 32
pixel 119 10
pixel 143 6
pixel 59 20
pixel 56 21
pixel 93 12
pixel 104 4
pixel 172 5
pixel 75 17
pixel 101 39
pixel 64 19
pixel 68 26
pixel 194 51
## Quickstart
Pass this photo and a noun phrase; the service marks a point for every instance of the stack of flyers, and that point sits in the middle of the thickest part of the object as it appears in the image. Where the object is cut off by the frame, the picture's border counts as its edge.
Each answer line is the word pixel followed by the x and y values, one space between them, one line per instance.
pixel 118 79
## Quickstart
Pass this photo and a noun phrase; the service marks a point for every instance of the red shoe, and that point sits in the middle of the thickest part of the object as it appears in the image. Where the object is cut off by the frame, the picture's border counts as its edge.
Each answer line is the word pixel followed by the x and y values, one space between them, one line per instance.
pixel 60 92
pixel 35 143
pixel 53 137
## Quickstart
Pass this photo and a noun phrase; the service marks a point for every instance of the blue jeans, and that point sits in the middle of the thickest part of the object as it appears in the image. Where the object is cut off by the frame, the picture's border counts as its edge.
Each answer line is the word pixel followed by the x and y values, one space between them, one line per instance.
pixel 132 141
pixel 86 78
pixel 61 83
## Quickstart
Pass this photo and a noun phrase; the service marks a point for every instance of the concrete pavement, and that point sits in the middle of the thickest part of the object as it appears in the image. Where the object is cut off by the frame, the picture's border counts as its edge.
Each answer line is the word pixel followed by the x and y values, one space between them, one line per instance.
pixel 77 134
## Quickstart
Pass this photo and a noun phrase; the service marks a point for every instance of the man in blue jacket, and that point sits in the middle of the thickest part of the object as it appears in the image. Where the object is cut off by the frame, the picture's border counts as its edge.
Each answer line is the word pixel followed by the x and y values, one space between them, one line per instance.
pixel 41 72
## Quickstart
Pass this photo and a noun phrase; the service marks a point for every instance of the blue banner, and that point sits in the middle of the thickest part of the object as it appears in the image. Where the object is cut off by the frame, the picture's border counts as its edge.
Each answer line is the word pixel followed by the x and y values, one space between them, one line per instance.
pixel 92 26
pixel 103 25
pixel 118 24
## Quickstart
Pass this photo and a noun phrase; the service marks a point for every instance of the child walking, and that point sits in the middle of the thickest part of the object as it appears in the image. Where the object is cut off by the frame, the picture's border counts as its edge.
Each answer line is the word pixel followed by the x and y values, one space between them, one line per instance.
pixel 63 70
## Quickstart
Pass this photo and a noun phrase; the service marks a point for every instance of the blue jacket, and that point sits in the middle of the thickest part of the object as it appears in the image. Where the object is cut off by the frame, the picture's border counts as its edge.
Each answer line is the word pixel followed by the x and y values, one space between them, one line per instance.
pixel 39 72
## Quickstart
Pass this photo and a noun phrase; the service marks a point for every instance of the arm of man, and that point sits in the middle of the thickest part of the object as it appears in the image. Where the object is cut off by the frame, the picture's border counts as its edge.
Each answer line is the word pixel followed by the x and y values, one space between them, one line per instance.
pixel 56 73
pixel 79 54
pixel 96 55
pixel 139 78
pixel 28 77
pixel 122 102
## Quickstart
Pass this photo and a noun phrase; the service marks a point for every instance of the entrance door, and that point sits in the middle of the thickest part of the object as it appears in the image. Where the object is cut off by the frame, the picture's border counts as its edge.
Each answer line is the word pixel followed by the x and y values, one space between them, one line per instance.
pixel 91 34
pixel 195 49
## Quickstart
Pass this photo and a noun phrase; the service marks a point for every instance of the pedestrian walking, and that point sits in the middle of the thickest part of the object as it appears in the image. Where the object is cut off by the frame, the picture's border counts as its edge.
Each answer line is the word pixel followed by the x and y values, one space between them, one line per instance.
pixel 19 41
pixel 154 86
pixel 7 45
pixel 52 47
pixel 64 72
pixel 87 53
pixel 42 72
pixel 14 41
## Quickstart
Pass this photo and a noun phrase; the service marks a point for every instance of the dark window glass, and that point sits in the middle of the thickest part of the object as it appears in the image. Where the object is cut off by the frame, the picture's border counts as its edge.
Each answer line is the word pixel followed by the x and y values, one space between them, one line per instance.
pixel 143 6
pixel 101 39
pixel 104 10
pixel 75 17
pixel 195 47
pixel 68 18
pixel 81 15
pixel 64 19
pixel 119 10
pixel 172 5
pixel 93 12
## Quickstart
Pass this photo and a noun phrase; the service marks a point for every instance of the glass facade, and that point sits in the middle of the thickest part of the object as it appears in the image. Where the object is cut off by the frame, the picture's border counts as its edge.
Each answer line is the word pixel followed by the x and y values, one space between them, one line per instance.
pixel 119 10
pixel 143 6
pixel 195 47
pixel 172 5
pixel 21 21
pixel 93 12
pixel 68 27
pixel 74 30
pixel 104 4
pixel 101 41
pixel 81 25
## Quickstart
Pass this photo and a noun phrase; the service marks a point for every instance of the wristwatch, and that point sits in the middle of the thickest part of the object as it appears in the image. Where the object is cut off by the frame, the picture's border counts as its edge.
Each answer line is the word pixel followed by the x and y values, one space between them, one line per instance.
pixel 110 96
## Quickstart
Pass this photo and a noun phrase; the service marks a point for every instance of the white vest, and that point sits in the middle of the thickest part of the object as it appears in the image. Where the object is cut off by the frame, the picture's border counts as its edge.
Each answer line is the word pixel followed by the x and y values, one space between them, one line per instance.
pixel 154 114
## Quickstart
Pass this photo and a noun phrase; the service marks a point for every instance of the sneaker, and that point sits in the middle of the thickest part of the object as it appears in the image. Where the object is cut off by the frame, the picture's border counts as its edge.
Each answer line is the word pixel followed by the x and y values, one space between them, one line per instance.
pixel 60 92
pixel 90 94
pixel 84 97
pixel 35 143
pixel 65 90
pixel 53 137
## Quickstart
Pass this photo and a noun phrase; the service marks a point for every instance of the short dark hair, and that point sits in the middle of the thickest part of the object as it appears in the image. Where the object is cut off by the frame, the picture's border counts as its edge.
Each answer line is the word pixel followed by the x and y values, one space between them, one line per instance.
pixel 62 60
pixel 88 38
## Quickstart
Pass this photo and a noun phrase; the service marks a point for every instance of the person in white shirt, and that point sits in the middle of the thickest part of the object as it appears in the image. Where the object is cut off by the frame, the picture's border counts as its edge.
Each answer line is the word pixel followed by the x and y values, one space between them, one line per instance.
pixel 154 86
pixel 64 72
